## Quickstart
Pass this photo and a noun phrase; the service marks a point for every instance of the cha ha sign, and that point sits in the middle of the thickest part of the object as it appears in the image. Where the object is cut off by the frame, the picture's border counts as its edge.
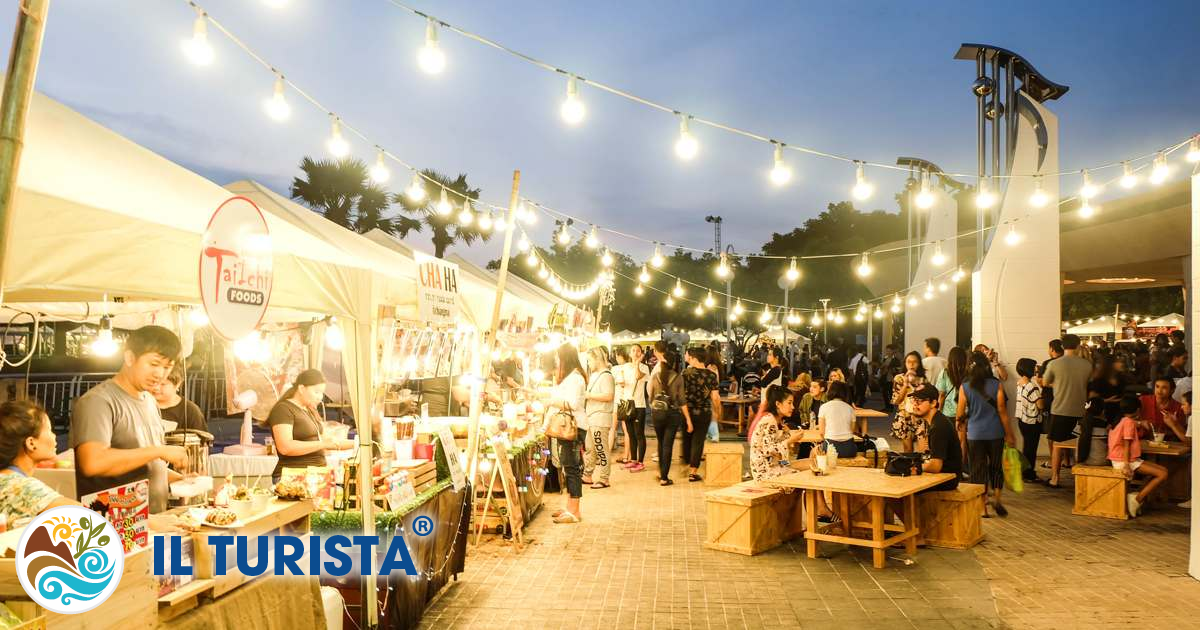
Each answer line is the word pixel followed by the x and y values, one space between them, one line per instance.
pixel 437 290
pixel 236 268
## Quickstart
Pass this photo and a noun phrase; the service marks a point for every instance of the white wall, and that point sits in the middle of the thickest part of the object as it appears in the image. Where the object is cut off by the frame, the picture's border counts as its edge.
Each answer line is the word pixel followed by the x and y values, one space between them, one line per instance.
pixel 1016 292
pixel 1193 328
pixel 936 317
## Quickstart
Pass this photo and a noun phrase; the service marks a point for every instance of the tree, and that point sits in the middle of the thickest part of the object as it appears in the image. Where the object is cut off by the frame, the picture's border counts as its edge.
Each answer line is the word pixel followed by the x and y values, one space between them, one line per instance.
pixel 343 193
pixel 446 229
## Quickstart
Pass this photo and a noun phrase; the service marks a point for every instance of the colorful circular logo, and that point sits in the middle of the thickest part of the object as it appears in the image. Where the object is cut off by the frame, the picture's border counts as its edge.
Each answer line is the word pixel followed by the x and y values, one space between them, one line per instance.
pixel 70 559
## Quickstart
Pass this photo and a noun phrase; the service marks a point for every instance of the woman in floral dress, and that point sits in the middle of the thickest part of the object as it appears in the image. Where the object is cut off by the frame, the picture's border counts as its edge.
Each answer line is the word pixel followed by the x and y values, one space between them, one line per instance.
pixel 771 441
pixel 908 428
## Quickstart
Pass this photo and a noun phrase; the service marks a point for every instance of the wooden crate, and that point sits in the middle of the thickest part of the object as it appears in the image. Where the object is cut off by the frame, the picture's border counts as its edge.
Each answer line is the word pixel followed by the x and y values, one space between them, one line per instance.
pixel 283 517
pixel 184 598
pixel 952 518
pixel 749 519
pixel 32 616
pixel 723 463
pixel 1100 491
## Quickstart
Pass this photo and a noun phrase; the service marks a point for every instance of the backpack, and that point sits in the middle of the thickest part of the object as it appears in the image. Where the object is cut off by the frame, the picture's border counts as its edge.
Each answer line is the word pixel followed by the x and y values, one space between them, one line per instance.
pixel 662 401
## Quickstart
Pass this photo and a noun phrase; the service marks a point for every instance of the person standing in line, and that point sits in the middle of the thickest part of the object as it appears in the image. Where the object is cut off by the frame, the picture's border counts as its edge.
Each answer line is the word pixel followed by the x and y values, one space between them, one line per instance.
pixel 859 375
pixel 947 385
pixel 712 362
pixel 904 428
pixel 932 363
pixel 1029 415
pixel 625 379
pixel 635 425
pixel 700 388
pixel 1067 377
pixel 981 403
pixel 598 409
pixel 568 397
pixel 668 407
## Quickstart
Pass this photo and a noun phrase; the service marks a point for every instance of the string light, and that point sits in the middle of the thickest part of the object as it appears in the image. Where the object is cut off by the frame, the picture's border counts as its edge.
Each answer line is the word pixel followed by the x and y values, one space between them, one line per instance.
pixel 657 261
pixel 912 300
pixel 984 198
pixel 431 58
pixel 1193 153
pixel 523 244
pixel 678 290
pixel 592 241
pixel 1129 179
pixel 838 319
pixel 443 207
pixel 862 307
pixel 531 259
pixel 862 189
pixel 943 287
pixel 686 146
pixel 793 271
pixel 104 346
pixel 485 222
pixel 781 173
pixel 1012 238
pixel 816 320
pixel 938 258
pixel 1160 171
pixel 670 301
pixel 606 259
pixel 766 315
pixel 530 215
pixel 929 291
pixel 500 223
pixel 277 107
pixel 709 301
pixel 379 173
pixel 925 197
pixel 1086 210
pixel 793 319
pixel 465 217
pixel 337 145
pixel 198 317
pixel 1039 198
pixel 564 237
pixel 638 290
pixel 1089 189
pixel 573 110
pixel 738 309
pixel 644 276
pixel 699 310
pixel 196 48
pixel 864 267
pixel 723 267
pixel 958 275
pixel 895 308
pixel 878 313
pixel 858 317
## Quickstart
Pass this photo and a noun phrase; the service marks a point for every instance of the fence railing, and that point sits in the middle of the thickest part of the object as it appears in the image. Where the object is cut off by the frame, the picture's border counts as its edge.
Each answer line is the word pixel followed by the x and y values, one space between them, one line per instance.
pixel 58 393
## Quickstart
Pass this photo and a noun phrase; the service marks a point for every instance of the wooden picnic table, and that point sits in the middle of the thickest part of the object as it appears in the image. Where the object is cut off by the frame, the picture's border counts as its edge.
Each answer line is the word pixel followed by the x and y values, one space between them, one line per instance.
pixel 875 487
pixel 1176 458
pixel 740 402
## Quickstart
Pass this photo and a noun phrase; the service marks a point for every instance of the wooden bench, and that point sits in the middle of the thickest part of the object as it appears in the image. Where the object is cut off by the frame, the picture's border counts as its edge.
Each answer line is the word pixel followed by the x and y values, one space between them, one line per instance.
pixel 749 519
pixel 1100 491
pixel 723 463
pixel 952 518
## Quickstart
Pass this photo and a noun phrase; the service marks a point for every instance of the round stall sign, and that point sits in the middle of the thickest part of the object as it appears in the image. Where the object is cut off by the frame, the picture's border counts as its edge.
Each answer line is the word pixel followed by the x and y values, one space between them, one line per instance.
pixel 235 268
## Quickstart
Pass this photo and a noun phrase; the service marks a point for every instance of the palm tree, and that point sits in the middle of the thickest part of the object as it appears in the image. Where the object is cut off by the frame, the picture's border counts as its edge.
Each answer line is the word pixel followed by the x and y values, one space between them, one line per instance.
pixel 446 229
pixel 343 192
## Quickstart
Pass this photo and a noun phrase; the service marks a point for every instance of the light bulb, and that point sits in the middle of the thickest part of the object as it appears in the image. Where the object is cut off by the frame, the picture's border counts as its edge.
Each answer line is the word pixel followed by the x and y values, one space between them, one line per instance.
pixel 573 110
pixel 895 308
pixel 816 319
pixel 530 215
pixel 678 290
pixel 864 267
pixel 443 207
pixel 277 106
pixel 766 315
pixel 912 300
pixel 465 217
pixel 1086 210
pixel 858 317
pixel 638 290
pixel 957 276
pixel 862 189
pixel 592 241
pixel 896 299
pixel 485 222
pixel 500 223
pixel 1129 179
pixel 862 308
pixel 738 309
pixel 943 287
pixel 1039 198
pixel 793 272
pixel 104 345
pixel 198 317
pixel 670 301
pixel 938 258
pixel 1193 154
pixel 543 273
pixel 197 49
pixel 723 267
pixel 838 319
pixel 334 338
pixel 925 196
pixel 878 313
pixel 686 146
pixel 699 310
pixel 929 291
pixel 531 259
pixel 379 174
pixel 985 198
pixel 1160 171
pixel 1012 238
pixel 431 58
pixel 564 237
pixel 709 301
pixel 644 276
pixel 606 259
pixel 337 145
pixel 781 173
pixel 657 261
pixel 1089 189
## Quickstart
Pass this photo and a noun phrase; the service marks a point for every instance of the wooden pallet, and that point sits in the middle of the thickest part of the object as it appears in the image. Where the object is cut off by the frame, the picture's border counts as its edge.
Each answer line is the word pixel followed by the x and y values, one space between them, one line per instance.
pixel 184 598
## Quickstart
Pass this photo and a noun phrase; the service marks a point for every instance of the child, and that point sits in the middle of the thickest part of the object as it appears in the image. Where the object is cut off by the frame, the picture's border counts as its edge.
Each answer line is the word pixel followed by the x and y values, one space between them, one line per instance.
pixel 1029 413
pixel 1125 453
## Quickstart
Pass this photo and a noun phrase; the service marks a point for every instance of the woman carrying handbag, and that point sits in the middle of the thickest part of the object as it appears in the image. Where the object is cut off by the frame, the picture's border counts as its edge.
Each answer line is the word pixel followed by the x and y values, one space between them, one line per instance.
pixel 564 422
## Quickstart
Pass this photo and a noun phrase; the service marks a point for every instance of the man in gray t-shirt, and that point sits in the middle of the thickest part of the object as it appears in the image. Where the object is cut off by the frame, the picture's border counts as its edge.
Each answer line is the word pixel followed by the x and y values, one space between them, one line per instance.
pixel 1068 377
pixel 116 430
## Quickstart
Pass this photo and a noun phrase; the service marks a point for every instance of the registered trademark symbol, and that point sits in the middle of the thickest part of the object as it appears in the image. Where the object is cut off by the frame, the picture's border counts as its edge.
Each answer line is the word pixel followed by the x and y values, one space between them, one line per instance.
pixel 422 526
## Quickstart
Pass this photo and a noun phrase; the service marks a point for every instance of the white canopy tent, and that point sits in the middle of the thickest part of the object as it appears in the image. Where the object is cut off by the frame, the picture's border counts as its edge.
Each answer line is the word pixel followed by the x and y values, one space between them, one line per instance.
pixel 1098 327
pixel 1170 320
pixel 521 299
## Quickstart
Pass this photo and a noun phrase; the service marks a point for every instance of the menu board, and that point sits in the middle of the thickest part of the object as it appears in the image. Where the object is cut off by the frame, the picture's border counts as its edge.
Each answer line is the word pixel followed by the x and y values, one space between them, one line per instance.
pixel 127 509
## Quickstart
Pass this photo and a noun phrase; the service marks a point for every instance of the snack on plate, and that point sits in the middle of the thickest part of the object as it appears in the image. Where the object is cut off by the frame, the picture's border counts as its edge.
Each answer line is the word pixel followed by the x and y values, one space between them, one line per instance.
pixel 190 521
pixel 291 489
pixel 261 490
pixel 240 493
pixel 220 516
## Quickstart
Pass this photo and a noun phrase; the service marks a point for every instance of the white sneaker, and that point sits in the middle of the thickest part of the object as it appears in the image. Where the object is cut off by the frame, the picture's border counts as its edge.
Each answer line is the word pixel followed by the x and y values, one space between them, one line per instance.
pixel 1187 505
pixel 1132 503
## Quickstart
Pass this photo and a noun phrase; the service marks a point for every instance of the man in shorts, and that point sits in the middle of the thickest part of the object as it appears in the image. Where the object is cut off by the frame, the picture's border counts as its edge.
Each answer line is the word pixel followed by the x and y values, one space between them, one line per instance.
pixel 1067 376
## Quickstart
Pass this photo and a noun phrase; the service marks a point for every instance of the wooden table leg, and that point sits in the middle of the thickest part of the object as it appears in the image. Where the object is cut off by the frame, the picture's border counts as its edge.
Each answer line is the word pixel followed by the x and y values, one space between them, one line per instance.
pixel 910 523
pixel 842 501
pixel 741 419
pixel 810 520
pixel 879 554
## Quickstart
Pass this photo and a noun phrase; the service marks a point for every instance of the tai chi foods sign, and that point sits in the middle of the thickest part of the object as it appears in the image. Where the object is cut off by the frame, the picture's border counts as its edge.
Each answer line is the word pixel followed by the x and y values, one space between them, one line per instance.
pixel 236 268
pixel 437 293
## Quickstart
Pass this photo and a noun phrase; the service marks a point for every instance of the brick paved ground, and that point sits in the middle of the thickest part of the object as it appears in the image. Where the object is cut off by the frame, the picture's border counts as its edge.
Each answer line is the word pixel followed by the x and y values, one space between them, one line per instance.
pixel 637 562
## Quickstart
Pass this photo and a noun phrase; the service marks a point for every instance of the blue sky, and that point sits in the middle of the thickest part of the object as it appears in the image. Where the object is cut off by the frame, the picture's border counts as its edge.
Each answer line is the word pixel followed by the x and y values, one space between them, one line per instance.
pixel 873 80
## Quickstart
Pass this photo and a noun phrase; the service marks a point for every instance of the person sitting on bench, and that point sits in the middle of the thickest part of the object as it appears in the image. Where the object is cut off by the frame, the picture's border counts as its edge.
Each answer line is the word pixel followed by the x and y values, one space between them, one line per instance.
pixel 945 453
pixel 1125 453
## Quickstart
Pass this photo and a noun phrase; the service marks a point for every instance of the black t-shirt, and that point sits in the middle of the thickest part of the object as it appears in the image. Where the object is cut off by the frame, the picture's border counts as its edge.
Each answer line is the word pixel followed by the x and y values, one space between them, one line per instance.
pixel 306 427
pixel 943 445
pixel 1047 392
pixel 187 415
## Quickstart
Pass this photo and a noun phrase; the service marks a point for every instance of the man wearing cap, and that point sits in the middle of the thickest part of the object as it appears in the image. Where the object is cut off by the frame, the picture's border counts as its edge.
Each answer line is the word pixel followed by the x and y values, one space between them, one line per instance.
pixel 945 454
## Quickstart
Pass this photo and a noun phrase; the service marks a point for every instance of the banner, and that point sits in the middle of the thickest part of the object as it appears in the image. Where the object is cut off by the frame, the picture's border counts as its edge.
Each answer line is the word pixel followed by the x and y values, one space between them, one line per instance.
pixel 437 290
pixel 236 269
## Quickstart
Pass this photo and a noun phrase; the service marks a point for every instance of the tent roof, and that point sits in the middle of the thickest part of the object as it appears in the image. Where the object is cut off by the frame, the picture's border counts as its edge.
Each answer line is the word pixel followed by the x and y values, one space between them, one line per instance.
pixel 1165 321
pixel 1099 326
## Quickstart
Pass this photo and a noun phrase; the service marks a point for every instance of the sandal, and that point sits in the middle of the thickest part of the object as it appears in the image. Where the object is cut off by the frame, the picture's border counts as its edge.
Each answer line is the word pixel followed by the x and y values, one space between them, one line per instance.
pixel 587 480
pixel 622 461
pixel 694 477
pixel 599 485
pixel 566 518
pixel 556 513
pixel 1001 511
pixel 665 482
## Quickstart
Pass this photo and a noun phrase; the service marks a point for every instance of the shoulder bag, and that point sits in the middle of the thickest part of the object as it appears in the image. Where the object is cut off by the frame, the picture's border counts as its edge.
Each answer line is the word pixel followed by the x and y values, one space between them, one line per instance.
pixel 562 425
pixel 903 464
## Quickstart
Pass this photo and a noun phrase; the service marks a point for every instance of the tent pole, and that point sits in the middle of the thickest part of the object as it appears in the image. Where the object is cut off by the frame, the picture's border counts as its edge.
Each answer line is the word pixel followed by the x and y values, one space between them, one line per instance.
pixel 486 363
pixel 18 91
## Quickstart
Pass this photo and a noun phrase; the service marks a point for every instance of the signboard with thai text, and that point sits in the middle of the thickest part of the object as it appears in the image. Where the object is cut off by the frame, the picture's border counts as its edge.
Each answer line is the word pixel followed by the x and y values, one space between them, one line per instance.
pixel 236 272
